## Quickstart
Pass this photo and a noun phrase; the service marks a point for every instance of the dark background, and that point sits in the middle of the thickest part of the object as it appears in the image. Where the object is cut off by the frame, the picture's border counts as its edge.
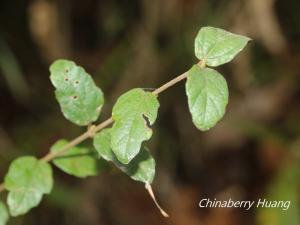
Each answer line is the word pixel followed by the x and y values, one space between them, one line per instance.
pixel 252 153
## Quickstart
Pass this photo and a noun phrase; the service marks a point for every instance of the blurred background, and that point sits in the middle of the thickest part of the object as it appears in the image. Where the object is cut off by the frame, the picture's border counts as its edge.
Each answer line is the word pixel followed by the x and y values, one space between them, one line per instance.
pixel 254 152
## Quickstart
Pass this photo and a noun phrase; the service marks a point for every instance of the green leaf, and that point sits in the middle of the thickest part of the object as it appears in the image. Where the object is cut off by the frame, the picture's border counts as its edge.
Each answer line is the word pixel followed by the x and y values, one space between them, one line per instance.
pixel 216 46
pixel 3 214
pixel 141 167
pixel 102 144
pixel 79 98
pixel 77 161
pixel 207 94
pixel 131 113
pixel 27 180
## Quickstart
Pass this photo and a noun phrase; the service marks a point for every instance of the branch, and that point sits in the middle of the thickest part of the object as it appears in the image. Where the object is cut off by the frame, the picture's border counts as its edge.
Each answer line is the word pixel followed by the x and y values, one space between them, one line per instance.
pixel 170 83
pixel 92 130
pixel 89 133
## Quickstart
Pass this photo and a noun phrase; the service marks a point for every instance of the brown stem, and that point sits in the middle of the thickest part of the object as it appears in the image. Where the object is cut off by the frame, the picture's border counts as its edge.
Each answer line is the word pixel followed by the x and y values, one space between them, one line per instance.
pixel 170 83
pixel 78 140
pixel 150 191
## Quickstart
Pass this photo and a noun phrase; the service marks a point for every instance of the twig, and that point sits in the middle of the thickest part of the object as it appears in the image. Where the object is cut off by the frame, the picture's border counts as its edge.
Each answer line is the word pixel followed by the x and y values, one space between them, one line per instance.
pixel 150 191
pixel 78 140
pixel 170 83
pixel 89 133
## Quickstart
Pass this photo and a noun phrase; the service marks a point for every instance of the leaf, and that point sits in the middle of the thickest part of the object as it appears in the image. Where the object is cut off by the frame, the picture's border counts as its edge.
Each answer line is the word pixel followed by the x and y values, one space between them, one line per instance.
pixel 216 46
pixel 131 113
pixel 207 94
pixel 27 180
pixel 3 214
pixel 102 142
pixel 79 98
pixel 141 167
pixel 78 161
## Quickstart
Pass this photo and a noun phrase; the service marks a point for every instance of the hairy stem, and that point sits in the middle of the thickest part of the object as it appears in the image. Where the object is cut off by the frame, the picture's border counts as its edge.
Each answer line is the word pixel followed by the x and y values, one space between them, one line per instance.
pixel 170 83
pixel 78 140
pixel 94 129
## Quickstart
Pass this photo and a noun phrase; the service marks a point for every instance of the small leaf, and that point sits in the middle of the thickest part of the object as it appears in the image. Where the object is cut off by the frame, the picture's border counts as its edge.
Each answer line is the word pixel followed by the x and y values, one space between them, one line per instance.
pixel 27 180
pixel 131 113
pixel 78 161
pixel 141 167
pixel 102 144
pixel 3 214
pixel 216 46
pixel 79 98
pixel 207 96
